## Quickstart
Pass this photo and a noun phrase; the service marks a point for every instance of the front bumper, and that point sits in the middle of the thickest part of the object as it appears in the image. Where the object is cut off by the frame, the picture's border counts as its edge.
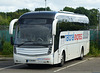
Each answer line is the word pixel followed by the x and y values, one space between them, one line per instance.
pixel 43 59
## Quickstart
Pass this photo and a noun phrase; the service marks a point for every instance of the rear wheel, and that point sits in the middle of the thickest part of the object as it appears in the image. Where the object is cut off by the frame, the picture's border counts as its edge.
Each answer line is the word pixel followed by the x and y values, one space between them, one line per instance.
pixel 62 60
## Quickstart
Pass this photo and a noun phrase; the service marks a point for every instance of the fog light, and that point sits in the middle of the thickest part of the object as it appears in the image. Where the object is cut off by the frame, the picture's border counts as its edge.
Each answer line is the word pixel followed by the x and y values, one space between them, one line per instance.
pixel 16 60
pixel 47 61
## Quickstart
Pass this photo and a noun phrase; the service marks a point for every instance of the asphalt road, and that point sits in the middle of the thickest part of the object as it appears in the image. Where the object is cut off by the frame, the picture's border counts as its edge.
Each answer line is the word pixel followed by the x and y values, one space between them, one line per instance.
pixel 87 65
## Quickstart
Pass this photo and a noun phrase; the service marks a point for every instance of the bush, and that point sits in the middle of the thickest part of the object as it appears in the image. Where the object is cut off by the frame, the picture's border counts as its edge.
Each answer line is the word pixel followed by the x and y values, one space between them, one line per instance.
pixel 7 49
pixel 2 42
pixel 94 49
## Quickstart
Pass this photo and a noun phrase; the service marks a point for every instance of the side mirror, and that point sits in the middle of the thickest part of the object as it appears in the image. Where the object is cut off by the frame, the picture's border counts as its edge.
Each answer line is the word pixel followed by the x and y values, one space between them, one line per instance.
pixel 11 40
pixel 12 25
pixel 11 30
pixel 54 26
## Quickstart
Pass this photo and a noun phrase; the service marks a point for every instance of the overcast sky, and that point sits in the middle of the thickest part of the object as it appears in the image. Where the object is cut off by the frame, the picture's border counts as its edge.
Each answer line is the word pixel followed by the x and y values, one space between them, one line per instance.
pixel 56 5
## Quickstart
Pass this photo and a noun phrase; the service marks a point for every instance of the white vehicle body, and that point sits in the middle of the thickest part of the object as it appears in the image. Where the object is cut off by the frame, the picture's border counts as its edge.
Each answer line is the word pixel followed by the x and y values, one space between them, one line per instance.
pixel 70 42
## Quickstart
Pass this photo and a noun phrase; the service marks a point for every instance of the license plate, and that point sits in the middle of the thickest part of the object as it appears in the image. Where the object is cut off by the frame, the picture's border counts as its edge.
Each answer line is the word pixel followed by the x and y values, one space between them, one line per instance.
pixel 30 60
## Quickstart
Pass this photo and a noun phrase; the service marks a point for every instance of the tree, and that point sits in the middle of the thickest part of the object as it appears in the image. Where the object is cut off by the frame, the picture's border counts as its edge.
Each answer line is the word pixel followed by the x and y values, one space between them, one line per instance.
pixel 93 17
pixel 5 18
pixel 3 21
pixel 23 10
pixel 42 9
pixel 82 10
pixel 48 9
pixel 91 14
pixel 69 9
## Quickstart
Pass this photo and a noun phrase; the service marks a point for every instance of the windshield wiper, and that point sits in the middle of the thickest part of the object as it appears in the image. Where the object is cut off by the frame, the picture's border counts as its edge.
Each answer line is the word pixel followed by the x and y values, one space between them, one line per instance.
pixel 23 43
pixel 41 44
pixel 33 43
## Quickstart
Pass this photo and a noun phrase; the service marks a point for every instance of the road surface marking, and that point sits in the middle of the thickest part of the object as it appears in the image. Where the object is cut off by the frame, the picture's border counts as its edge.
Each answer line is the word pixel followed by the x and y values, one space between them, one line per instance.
pixel 11 66
pixel 72 65
pixel 55 70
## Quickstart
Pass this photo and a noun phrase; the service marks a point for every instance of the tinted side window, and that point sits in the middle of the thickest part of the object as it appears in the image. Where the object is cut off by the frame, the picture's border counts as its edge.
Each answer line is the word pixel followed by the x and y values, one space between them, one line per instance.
pixel 72 26
pixel 56 39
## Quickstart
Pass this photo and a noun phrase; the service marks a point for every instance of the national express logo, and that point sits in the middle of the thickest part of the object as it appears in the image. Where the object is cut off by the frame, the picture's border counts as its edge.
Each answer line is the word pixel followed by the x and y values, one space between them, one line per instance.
pixel 72 37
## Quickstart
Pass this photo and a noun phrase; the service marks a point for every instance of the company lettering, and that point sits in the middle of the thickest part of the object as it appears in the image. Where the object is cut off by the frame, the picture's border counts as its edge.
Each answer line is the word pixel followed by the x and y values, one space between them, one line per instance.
pixel 72 37
pixel 78 37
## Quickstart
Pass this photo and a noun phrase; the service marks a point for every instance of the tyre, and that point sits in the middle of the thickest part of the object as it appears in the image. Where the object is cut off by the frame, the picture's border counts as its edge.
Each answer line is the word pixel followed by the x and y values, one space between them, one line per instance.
pixel 62 60
pixel 30 65
pixel 81 55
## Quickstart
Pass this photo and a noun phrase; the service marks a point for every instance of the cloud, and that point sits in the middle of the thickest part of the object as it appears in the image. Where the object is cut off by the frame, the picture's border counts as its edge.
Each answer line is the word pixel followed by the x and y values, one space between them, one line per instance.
pixel 53 7
pixel 7 8
pixel 13 5
pixel 86 3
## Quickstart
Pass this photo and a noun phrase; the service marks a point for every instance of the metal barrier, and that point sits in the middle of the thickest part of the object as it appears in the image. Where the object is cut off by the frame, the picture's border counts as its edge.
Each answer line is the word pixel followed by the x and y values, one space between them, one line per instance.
pixel 4 35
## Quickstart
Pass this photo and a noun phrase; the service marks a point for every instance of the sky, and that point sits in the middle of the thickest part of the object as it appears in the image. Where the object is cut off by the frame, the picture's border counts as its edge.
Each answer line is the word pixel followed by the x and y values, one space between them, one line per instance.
pixel 55 5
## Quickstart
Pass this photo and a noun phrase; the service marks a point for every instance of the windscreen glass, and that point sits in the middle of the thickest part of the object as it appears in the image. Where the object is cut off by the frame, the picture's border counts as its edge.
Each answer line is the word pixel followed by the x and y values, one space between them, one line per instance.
pixel 36 31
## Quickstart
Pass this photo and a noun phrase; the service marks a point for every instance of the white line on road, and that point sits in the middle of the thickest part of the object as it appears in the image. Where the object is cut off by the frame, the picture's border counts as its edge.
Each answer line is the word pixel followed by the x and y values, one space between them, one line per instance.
pixel 11 66
pixel 55 70
pixel 72 65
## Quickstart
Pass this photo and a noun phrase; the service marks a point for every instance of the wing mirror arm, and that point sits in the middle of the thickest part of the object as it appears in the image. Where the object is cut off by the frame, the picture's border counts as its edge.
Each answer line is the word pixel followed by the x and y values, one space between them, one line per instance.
pixel 54 26
pixel 11 30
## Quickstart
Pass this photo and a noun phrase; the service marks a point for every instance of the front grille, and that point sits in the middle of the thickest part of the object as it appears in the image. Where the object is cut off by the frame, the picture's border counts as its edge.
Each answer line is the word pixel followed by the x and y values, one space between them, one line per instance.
pixel 32 51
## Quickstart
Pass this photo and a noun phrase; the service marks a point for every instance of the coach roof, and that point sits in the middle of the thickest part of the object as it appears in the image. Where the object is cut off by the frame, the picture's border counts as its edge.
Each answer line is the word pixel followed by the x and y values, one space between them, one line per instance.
pixel 70 16
pixel 39 14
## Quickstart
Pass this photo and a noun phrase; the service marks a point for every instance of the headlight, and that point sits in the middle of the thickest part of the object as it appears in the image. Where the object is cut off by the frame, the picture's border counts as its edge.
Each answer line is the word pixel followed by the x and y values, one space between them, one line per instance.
pixel 50 41
pixel 50 50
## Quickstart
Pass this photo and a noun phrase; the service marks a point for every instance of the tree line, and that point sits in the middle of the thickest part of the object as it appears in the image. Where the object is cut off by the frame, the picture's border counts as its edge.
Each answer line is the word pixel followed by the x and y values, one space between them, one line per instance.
pixel 5 18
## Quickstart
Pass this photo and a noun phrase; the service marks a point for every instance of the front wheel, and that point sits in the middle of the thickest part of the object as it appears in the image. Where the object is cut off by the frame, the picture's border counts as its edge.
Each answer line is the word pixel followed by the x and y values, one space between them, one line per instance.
pixel 30 65
pixel 62 60
pixel 81 55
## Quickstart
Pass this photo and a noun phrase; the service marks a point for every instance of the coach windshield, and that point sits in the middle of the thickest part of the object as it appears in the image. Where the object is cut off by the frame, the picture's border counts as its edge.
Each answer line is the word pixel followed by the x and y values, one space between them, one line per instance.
pixel 34 31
